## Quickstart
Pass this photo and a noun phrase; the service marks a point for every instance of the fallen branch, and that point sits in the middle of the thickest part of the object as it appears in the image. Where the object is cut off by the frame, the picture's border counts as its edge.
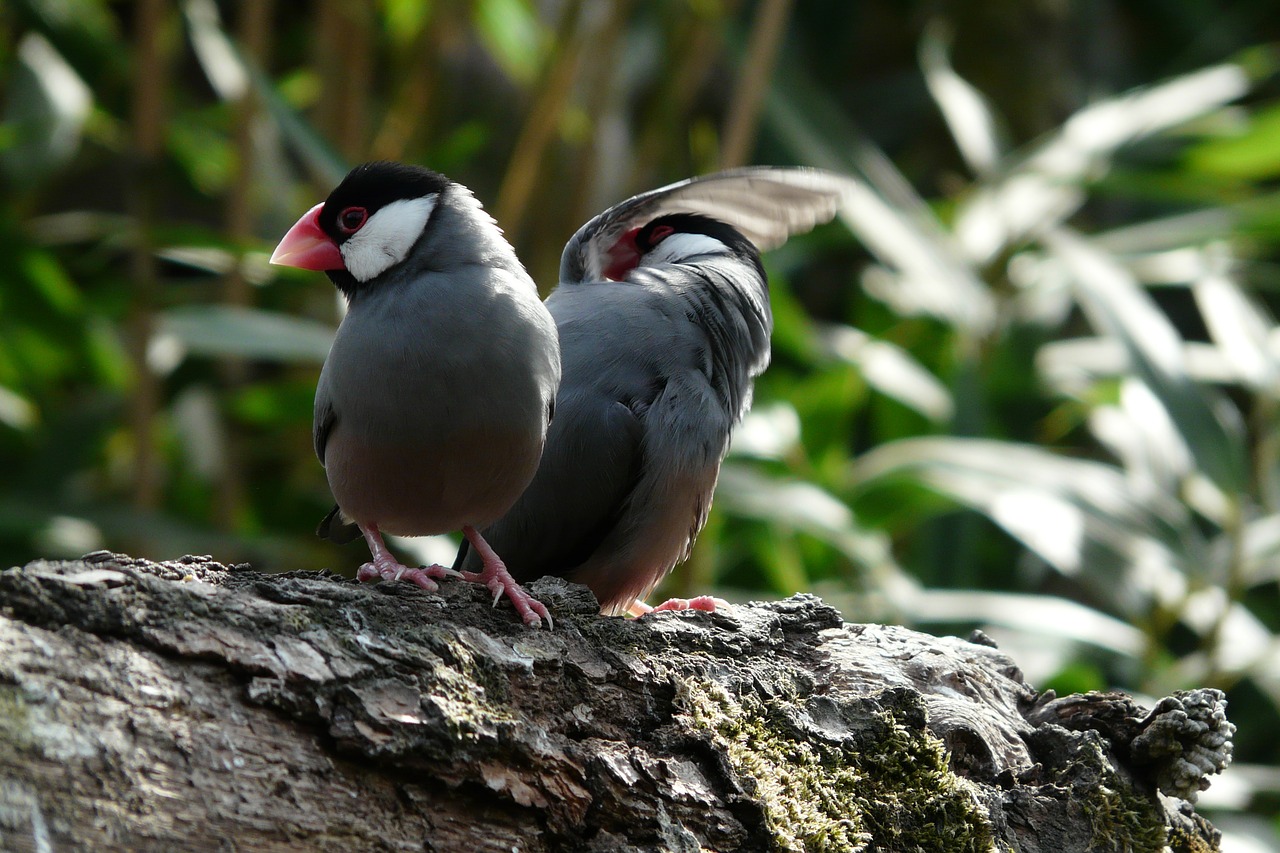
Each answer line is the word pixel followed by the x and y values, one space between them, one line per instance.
pixel 191 705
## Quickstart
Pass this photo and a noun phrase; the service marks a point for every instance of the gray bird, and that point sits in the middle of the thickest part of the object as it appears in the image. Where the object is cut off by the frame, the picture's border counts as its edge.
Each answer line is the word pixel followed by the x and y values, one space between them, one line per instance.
pixel 433 404
pixel 664 320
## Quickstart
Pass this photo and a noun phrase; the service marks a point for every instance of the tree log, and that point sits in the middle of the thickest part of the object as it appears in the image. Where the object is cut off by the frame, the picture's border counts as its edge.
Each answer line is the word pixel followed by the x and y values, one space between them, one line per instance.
pixel 190 705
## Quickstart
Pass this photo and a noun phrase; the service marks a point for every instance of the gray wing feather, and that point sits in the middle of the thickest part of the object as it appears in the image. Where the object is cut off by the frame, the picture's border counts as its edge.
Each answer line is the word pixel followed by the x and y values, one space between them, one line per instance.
pixel 588 470
pixel 686 435
pixel 766 204
pixel 322 423
pixel 632 455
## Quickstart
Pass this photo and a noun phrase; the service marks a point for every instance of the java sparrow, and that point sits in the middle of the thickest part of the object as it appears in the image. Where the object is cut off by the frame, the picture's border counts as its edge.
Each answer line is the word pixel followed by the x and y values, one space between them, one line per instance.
pixel 664 320
pixel 433 404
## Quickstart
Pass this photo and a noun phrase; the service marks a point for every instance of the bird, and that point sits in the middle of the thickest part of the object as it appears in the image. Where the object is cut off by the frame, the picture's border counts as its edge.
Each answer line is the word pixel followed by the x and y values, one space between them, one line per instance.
pixel 433 404
pixel 664 319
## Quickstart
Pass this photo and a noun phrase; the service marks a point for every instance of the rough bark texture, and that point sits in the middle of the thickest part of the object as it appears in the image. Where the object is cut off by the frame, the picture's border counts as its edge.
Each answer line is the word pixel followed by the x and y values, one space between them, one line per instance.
pixel 190 705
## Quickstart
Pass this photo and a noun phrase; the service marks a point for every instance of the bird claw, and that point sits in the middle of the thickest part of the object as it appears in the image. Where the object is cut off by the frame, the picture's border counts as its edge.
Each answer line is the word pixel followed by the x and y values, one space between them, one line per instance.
pixel 705 603
pixel 390 570
pixel 531 610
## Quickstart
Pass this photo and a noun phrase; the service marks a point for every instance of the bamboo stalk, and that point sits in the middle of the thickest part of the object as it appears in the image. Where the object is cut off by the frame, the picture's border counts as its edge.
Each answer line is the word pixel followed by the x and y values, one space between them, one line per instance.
pixel 540 124
pixel 600 77
pixel 406 116
pixel 669 118
pixel 762 54
pixel 326 59
pixel 148 86
pixel 356 78
pixel 253 31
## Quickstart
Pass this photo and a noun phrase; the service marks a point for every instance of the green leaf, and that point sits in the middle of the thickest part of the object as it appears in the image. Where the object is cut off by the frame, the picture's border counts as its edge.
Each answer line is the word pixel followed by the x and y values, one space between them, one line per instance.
pixel 967 112
pixel 806 508
pixel 1261 550
pixel 16 411
pixel 405 18
pixel 1081 517
pixel 46 108
pixel 1252 155
pixel 1168 233
pixel 921 272
pixel 225 330
pixel 215 51
pixel 51 281
pixel 1039 615
pixel 890 370
pixel 1120 308
pixel 106 354
pixel 1072 366
pixel 1241 328
pixel 1041 188
pixel 513 35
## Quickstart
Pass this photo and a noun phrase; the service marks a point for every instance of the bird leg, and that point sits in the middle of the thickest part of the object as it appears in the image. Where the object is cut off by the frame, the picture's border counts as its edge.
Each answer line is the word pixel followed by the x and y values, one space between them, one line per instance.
pixel 704 603
pixel 495 576
pixel 386 567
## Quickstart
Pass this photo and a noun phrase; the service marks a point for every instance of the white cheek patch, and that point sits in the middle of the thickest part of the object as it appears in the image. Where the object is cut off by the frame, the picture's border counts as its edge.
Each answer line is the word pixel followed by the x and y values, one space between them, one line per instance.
pixel 387 237
pixel 679 248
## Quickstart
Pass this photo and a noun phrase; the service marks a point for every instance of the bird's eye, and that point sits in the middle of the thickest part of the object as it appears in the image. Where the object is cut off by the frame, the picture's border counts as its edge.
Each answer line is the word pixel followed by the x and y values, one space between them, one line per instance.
pixel 351 219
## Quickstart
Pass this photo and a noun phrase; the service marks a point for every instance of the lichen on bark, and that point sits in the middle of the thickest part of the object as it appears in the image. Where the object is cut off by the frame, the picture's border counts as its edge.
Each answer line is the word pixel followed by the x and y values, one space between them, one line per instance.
pixel 882 779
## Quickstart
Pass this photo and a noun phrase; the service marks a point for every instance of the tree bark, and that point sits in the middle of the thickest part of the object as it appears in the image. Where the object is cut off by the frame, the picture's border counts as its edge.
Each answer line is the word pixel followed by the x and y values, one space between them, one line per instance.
pixel 191 705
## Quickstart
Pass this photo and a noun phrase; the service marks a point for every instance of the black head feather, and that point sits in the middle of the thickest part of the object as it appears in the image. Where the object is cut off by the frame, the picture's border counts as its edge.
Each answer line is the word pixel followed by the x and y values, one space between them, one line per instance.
pixel 375 185
pixel 694 223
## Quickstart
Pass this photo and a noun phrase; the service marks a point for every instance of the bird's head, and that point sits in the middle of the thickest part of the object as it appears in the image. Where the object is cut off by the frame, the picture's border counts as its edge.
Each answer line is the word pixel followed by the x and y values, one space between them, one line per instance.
pixel 676 238
pixel 368 225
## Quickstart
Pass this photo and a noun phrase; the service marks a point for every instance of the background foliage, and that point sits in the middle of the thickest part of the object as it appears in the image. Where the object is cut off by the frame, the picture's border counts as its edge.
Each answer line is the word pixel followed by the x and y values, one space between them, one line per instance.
pixel 1030 382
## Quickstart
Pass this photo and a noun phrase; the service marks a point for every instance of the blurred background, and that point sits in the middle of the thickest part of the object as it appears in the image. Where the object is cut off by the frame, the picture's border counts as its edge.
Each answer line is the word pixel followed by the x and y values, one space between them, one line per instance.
pixel 1028 382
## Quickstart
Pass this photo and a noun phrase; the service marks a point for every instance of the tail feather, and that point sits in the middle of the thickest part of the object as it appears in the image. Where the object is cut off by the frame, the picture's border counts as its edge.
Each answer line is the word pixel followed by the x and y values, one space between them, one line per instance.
pixel 463 550
pixel 337 529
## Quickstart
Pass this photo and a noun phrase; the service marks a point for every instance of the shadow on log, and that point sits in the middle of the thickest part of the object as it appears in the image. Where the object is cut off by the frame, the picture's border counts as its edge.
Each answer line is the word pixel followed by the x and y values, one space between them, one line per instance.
pixel 191 705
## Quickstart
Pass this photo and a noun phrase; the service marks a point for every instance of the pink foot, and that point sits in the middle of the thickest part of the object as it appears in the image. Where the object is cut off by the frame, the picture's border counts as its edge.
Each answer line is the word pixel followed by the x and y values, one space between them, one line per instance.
pixel 495 576
pixel 705 603
pixel 385 567
pixel 390 570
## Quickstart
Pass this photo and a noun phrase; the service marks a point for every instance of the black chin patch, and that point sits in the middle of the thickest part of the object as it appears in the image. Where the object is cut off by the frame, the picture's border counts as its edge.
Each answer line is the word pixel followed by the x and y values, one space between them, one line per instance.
pixel 344 281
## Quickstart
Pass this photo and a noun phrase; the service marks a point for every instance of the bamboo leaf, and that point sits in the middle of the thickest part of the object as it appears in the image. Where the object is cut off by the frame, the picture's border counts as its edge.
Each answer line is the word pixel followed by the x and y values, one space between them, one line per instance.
pixel 47 105
pixel 890 370
pixel 966 111
pixel 806 508
pixel 1240 327
pixel 512 33
pixel 215 51
pixel 922 272
pixel 1119 307
pixel 1252 154
pixel 1081 517
pixel 226 330
pixel 1038 615
pixel 1040 189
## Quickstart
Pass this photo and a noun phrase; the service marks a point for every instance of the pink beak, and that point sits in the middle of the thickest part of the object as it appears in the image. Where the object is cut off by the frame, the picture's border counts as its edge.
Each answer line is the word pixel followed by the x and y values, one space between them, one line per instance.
pixel 307 247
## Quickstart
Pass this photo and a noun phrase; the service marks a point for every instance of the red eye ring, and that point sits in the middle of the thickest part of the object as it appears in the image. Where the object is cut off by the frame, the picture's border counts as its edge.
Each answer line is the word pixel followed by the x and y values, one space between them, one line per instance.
pixel 352 219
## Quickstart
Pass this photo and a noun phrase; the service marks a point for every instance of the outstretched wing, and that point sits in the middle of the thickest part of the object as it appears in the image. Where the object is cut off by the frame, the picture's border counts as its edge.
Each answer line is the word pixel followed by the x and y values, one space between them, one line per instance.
pixel 767 204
